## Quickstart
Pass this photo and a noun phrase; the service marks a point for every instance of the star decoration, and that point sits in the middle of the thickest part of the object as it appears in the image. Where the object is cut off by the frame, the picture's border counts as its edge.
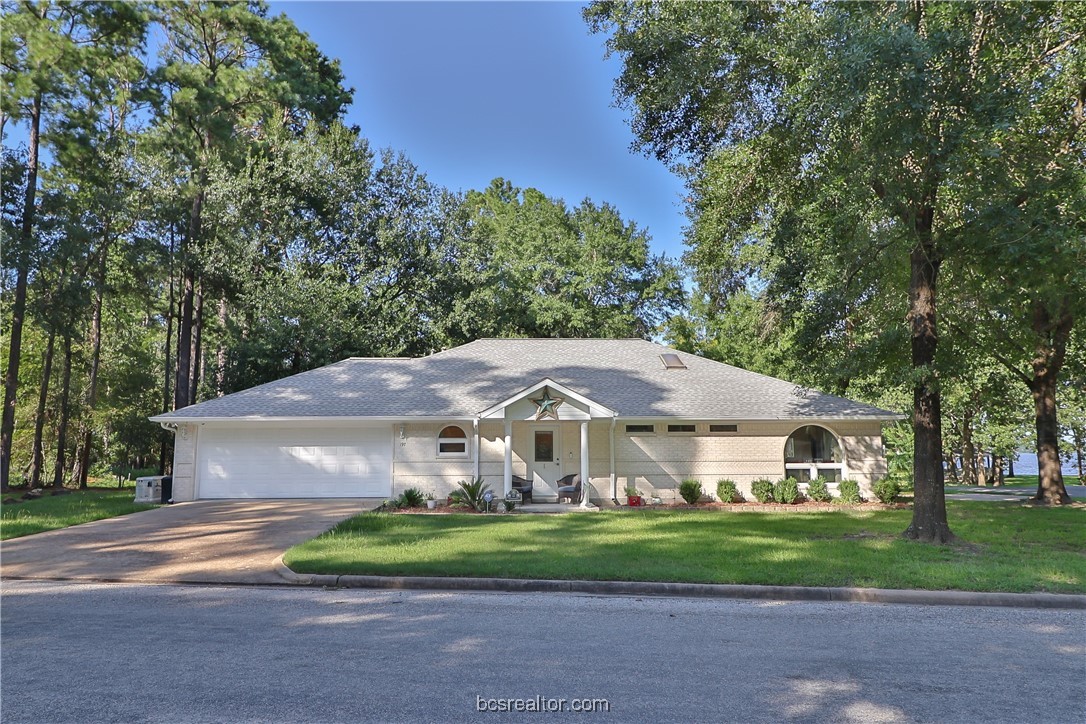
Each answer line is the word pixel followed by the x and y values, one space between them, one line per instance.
pixel 548 406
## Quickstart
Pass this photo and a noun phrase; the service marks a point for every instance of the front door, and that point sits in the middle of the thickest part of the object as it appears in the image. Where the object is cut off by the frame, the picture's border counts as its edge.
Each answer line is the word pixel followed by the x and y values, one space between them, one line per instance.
pixel 546 460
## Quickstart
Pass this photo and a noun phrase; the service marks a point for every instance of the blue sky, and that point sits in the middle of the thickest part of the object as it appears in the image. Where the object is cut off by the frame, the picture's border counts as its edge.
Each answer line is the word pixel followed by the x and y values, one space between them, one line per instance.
pixel 473 91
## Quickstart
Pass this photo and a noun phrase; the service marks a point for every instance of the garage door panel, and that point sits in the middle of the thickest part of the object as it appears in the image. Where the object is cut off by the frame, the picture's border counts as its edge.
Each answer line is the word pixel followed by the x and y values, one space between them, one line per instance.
pixel 295 463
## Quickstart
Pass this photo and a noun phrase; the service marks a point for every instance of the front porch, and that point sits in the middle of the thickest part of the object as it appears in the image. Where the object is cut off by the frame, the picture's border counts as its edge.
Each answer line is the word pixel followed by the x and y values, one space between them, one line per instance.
pixel 545 446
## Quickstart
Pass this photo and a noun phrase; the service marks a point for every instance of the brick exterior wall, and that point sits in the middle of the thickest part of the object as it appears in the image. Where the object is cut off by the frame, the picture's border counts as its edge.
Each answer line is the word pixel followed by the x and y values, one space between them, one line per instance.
pixel 655 464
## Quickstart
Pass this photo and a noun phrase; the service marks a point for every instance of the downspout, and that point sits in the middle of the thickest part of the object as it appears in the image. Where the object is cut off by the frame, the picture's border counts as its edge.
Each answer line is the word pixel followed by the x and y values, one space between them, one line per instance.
pixel 614 479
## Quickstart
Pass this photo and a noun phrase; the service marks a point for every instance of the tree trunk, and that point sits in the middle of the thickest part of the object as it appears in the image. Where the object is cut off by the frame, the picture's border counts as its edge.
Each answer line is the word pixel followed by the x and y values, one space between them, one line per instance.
pixel 982 469
pixel 1080 458
pixel 82 460
pixel 952 467
pixel 37 458
pixel 184 342
pixel 18 305
pixel 997 471
pixel 165 436
pixel 969 452
pixel 1052 333
pixel 65 414
pixel 197 347
pixel 929 521
pixel 1050 487
pixel 1010 466
pixel 220 352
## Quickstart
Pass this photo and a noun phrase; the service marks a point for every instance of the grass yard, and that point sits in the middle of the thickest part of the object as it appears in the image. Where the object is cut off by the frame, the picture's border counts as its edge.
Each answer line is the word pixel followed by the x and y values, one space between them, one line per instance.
pixel 1006 547
pixel 60 511
pixel 1023 481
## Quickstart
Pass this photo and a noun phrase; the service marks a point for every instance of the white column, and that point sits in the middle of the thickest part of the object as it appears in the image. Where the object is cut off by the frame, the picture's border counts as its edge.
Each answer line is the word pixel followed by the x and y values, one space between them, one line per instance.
pixel 584 465
pixel 508 456
pixel 614 480
pixel 478 447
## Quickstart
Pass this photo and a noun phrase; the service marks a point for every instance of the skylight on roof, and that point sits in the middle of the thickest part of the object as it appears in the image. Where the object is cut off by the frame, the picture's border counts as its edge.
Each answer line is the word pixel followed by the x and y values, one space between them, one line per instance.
pixel 672 361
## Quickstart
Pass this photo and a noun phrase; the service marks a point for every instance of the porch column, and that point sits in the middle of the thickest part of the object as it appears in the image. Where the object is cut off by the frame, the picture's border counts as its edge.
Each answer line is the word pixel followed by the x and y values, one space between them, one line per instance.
pixel 508 456
pixel 614 480
pixel 478 446
pixel 584 465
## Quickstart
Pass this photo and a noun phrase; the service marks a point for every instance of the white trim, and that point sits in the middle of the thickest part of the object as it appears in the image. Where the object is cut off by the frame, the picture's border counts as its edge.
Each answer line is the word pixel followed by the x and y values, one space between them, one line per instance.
pixel 614 478
pixel 813 466
pixel 312 418
pixel 465 455
pixel 594 408
pixel 681 433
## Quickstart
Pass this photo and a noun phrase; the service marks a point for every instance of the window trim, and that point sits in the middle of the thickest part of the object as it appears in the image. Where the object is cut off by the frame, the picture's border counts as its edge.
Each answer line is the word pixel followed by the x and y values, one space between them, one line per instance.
pixel 722 433
pixel 682 433
pixel 464 455
pixel 812 466
pixel 638 433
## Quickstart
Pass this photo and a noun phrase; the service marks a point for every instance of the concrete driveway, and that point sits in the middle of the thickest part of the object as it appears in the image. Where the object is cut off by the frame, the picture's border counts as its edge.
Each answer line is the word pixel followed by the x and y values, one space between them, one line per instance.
pixel 208 541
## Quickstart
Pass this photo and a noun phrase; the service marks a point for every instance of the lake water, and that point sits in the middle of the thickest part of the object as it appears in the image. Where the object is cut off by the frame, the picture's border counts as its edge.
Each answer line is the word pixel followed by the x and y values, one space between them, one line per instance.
pixel 1026 464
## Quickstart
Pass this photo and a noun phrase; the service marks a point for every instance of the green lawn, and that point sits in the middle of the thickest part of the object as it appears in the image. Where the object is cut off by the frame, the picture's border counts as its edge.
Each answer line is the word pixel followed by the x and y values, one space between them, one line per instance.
pixel 50 512
pixel 1006 547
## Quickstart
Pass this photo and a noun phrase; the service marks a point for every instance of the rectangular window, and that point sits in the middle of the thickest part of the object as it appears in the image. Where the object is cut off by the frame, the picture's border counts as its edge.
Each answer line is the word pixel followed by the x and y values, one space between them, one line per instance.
pixel 446 448
pixel 723 428
pixel 682 429
pixel 640 429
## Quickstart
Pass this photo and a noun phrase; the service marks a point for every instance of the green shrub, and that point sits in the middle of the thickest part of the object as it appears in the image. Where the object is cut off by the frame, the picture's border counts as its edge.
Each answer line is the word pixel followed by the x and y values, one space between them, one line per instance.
pixel 886 490
pixel 849 492
pixel 817 490
pixel 471 494
pixel 786 490
pixel 728 492
pixel 412 498
pixel 691 491
pixel 762 490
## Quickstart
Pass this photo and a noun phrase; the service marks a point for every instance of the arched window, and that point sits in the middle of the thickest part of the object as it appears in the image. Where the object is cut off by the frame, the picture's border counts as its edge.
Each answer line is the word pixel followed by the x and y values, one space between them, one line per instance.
pixel 812 451
pixel 452 442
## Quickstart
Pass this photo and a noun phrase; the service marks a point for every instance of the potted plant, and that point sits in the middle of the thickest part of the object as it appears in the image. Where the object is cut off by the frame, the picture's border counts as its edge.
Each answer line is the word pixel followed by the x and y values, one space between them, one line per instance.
pixel 633 497
pixel 431 503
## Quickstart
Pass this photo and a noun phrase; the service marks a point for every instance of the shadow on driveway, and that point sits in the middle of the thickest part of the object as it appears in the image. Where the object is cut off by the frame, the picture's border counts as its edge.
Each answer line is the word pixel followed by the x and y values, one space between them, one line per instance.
pixel 207 541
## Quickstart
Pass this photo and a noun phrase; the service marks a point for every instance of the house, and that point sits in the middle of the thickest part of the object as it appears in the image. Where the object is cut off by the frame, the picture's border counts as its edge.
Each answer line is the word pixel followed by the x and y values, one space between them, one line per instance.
pixel 618 412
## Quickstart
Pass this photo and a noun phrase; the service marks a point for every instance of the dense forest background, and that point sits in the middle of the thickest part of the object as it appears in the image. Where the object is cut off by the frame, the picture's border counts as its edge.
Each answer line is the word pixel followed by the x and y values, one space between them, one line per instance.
pixel 189 216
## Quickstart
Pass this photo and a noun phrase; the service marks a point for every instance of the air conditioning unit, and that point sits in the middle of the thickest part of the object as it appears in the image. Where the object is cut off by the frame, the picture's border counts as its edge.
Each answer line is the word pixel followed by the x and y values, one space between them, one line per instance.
pixel 149 489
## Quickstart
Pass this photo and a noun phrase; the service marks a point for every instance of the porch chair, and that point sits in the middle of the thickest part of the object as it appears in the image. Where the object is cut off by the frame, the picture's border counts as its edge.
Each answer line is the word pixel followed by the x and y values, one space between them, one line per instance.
pixel 569 486
pixel 524 486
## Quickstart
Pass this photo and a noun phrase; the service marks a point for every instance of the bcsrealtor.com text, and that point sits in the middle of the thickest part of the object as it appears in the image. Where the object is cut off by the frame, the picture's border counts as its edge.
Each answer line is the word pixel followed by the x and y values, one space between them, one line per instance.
pixel 543 704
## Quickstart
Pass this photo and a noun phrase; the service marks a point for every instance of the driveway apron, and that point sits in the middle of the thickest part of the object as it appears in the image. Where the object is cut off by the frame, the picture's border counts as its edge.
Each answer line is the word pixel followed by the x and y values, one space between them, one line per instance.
pixel 208 541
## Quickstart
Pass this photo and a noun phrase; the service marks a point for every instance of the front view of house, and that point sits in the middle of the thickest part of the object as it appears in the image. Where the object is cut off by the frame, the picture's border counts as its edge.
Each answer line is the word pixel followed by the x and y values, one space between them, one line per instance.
pixel 522 413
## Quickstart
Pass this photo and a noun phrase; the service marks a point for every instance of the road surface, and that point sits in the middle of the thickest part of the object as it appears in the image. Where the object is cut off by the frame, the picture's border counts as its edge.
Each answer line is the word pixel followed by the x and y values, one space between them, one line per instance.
pixel 77 652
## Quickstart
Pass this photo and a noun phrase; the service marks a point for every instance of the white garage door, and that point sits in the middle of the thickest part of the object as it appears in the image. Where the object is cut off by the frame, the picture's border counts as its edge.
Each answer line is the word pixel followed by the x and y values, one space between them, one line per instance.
pixel 326 462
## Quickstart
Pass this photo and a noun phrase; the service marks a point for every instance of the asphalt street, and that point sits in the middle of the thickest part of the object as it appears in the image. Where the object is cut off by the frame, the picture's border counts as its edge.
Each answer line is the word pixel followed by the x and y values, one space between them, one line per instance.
pixel 77 652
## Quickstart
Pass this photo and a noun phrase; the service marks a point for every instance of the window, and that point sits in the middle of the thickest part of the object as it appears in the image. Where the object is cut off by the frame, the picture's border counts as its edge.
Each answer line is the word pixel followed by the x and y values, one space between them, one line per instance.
pixel 452 442
pixel 813 451
pixel 719 429
pixel 682 429
pixel 640 429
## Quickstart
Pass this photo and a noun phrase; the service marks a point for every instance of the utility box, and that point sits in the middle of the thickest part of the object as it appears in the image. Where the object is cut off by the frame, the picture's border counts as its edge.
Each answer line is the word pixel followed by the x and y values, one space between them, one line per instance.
pixel 149 489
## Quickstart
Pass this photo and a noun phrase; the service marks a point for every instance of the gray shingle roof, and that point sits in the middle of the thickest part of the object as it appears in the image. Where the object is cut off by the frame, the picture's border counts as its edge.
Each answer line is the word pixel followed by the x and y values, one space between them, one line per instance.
pixel 625 375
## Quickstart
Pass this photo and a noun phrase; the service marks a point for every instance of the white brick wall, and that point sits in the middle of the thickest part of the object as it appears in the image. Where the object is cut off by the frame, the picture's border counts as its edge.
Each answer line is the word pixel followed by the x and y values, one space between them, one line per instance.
pixel 184 462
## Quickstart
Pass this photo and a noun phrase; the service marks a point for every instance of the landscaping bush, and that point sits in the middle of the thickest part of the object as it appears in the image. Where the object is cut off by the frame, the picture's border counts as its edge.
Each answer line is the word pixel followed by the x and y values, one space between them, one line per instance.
pixel 818 492
pixel 786 490
pixel 849 491
pixel 471 494
pixel 762 490
pixel 886 491
pixel 691 491
pixel 412 498
pixel 728 492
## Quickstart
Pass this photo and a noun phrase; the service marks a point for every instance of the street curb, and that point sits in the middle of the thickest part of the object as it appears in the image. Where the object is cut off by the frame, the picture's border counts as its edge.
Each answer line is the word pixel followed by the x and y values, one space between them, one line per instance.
pixel 690 590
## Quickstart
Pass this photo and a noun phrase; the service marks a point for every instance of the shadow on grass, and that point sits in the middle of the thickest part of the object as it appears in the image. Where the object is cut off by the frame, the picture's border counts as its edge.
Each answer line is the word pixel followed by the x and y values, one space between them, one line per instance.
pixel 1002 549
